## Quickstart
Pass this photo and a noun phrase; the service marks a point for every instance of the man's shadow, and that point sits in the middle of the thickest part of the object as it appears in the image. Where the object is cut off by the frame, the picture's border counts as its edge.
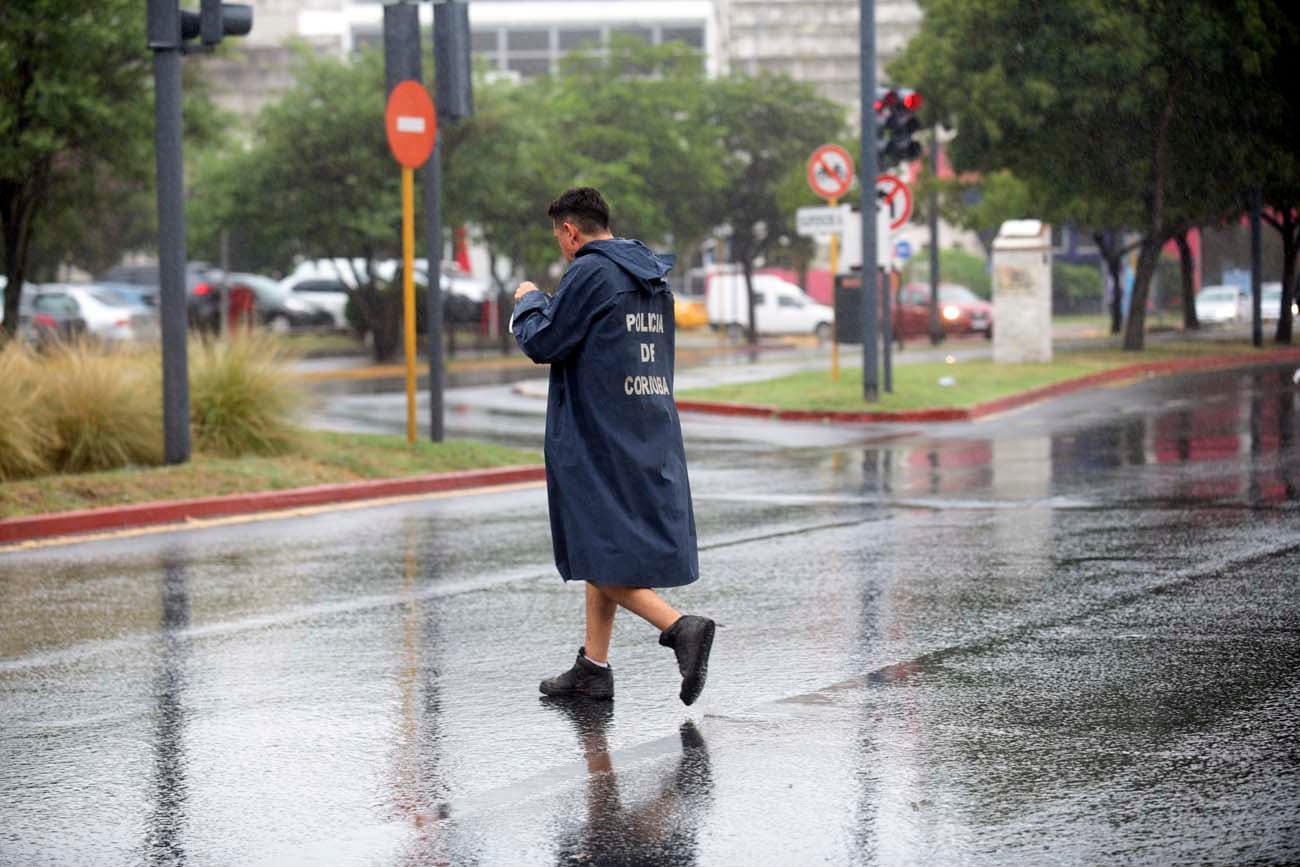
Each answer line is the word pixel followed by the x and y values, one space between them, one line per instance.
pixel 660 830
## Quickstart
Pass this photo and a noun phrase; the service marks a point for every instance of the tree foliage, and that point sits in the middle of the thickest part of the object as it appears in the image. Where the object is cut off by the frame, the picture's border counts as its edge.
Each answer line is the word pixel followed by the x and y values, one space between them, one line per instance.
pixel 74 105
pixel 675 154
pixel 1105 109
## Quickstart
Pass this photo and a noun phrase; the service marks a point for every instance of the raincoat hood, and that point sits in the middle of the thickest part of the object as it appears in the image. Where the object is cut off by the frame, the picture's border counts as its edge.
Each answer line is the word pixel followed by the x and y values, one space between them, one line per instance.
pixel 647 266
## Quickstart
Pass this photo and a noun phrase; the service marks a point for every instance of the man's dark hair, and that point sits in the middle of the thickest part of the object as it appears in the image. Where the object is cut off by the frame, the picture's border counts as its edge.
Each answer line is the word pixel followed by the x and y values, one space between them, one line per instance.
pixel 582 206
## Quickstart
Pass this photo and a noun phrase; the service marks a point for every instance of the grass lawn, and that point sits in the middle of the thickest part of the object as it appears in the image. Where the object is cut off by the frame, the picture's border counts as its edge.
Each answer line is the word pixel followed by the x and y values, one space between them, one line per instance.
pixel 916 386
pixel 319 458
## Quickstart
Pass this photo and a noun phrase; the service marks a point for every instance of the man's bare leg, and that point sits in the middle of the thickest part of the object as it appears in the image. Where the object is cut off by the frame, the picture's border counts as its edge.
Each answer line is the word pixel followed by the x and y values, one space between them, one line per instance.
pixel 641 601
pixel 600 623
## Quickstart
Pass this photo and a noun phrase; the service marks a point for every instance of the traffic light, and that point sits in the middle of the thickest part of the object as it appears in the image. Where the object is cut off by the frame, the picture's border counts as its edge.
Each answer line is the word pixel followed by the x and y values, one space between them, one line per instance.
pixel 896 126
pixel 216 20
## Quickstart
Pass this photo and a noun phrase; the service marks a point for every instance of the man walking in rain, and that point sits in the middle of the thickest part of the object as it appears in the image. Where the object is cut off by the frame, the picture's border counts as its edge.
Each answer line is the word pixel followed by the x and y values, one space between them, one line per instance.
pixel 619 498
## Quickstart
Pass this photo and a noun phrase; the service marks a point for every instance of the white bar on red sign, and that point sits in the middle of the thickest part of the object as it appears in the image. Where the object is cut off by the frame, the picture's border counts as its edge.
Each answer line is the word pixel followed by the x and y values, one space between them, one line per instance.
pixel 406 123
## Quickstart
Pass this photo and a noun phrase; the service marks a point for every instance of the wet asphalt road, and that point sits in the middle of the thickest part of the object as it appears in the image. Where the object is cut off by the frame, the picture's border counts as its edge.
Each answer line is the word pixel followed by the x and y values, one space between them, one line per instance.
pixel 1067 635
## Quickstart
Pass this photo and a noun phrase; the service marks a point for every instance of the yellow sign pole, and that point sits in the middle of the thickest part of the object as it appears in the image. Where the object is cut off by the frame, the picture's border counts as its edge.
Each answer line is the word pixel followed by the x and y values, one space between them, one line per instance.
pixel 408 294
pixel 835 269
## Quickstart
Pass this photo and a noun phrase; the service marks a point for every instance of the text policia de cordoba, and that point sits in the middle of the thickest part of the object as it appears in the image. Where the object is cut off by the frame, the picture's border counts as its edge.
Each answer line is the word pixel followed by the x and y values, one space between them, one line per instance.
pixel 640 386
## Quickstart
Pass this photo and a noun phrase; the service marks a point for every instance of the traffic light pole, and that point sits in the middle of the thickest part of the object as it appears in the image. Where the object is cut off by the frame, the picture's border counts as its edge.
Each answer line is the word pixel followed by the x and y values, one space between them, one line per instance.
pixel 164 30
pixel 867 160
pixel 936 329
pixel 1256 320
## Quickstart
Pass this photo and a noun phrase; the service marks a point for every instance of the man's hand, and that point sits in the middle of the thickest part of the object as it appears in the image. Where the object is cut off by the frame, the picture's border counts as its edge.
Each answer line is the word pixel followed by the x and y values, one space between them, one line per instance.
pixel 524 288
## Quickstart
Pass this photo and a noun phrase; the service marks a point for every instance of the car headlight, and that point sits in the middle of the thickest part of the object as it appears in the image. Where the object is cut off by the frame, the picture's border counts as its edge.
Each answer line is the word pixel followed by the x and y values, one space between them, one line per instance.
pixel 951 312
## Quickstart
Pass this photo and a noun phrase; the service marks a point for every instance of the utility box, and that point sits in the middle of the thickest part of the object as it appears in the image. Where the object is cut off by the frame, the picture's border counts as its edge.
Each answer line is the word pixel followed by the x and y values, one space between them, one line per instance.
pixel 1022 292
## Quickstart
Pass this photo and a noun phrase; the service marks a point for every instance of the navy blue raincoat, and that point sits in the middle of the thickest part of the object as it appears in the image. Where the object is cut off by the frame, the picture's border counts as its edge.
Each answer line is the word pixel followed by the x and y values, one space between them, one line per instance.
pixel 620 501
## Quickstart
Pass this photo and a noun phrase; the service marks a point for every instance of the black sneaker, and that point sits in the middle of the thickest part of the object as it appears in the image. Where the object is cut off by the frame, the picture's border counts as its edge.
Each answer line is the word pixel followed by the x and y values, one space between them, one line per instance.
pixel 584 680
pixel 691 638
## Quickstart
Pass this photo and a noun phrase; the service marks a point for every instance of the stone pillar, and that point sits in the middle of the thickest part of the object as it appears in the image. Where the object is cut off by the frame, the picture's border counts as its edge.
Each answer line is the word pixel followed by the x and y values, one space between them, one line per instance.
pixel 1022 292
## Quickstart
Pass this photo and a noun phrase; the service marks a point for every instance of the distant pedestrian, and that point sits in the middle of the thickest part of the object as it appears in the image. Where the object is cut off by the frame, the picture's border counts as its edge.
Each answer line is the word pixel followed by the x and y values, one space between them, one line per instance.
pixel 616 483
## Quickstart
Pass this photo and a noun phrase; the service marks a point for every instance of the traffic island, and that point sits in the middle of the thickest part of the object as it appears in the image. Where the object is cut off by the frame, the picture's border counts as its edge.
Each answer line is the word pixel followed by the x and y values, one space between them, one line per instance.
pixel 966 390
pixel 323 468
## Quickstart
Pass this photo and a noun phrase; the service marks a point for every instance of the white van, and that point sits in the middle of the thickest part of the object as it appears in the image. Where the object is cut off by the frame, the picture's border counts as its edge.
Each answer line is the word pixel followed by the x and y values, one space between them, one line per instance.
pixel 780 307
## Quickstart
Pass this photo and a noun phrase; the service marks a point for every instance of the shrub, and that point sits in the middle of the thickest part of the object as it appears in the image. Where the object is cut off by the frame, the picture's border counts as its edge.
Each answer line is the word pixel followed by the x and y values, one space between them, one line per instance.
pixel 242 399
pixel 1076 288
pixel 104 407
pixel 25 444
pixel 955 266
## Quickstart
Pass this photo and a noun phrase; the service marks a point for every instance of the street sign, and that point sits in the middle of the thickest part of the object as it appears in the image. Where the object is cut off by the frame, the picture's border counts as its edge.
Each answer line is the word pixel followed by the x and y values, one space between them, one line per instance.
pixel 903 249
pixel 814 221
pixel 895 198
pixel 830 171
pixel 411 124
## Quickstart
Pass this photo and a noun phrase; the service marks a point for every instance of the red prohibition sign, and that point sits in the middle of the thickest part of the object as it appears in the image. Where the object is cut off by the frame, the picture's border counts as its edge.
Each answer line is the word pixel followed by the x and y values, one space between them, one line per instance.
pixel 830 171
pixel 896 196
pixel 411 124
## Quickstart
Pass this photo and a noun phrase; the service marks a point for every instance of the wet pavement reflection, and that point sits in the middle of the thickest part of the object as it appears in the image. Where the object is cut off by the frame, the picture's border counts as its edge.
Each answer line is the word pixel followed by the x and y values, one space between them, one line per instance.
pixel 1063 635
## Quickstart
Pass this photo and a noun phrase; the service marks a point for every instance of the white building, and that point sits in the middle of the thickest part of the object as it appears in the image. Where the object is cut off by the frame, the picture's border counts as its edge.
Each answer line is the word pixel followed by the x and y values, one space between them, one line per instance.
pixel 815 41
pixel 810 40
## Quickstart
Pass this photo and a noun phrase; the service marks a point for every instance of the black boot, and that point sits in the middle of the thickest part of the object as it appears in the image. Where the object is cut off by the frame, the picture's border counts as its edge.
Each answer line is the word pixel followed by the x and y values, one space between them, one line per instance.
pixel 584 680
pixel 691 638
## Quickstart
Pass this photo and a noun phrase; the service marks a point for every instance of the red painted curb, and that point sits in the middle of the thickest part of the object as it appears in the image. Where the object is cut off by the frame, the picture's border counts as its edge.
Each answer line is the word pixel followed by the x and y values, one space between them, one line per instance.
pixel 979 410
pixel 172 511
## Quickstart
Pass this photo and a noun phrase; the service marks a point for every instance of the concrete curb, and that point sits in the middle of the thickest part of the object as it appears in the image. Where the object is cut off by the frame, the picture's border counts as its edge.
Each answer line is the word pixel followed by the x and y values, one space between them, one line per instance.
pixel 1002 404
pixel 176 511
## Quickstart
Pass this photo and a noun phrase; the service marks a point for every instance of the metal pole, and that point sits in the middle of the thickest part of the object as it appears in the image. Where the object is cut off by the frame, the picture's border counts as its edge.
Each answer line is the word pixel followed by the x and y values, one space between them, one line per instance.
pixel 225 282
pixel 408 295
pixel 164 39
pixel 835 269
pixel 433 227
pixel 867 160
pixel 402 63
pixel 887 326
pixel 1256 319
pixel 936 328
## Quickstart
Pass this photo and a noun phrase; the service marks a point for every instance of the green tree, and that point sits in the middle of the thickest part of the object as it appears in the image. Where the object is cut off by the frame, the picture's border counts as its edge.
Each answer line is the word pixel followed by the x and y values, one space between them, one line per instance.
pixel 1102 107
pixel 767 127
pixel 74 105
pixel 317 181
pixel 632 121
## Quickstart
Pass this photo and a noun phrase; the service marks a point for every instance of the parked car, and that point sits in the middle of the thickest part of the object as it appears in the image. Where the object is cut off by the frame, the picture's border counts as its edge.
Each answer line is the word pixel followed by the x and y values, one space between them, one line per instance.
pixel 1270 300
pixel 145 296
pixel 107 315
pixel 961 311
pixel 278 309
pixel 779 307
pixel 690 311
pixel 202 288
pixel 53 322
pixel 1216 304
pixel 322 291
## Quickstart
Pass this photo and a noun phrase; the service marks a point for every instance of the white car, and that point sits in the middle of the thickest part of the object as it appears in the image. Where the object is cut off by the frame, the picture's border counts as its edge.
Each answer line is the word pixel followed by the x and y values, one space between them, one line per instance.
pixel 780 307
pixel 320 288
pixel 1218 304
pixel 108 315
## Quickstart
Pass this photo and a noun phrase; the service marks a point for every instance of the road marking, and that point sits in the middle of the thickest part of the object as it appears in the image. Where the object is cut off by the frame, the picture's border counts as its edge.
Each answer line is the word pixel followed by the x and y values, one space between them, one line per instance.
pixel 279 514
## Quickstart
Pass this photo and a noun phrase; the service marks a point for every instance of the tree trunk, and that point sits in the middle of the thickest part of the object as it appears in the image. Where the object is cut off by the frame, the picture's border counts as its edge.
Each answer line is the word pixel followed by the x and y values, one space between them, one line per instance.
pixel 1135 327
pixel 17 214
pixel 1114 259
pixel 747 266
pixel 1290 245
pixel 1190 322
pixel 1149 252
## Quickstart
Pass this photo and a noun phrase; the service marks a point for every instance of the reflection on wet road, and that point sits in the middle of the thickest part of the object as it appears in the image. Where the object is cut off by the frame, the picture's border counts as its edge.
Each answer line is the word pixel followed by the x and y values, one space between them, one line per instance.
pixel 1065 635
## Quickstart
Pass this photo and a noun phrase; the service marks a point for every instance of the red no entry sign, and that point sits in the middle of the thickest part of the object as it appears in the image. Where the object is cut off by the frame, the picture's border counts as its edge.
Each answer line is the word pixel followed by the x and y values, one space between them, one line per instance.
pixel 411 123
pixel 895 198
pixel 830 171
